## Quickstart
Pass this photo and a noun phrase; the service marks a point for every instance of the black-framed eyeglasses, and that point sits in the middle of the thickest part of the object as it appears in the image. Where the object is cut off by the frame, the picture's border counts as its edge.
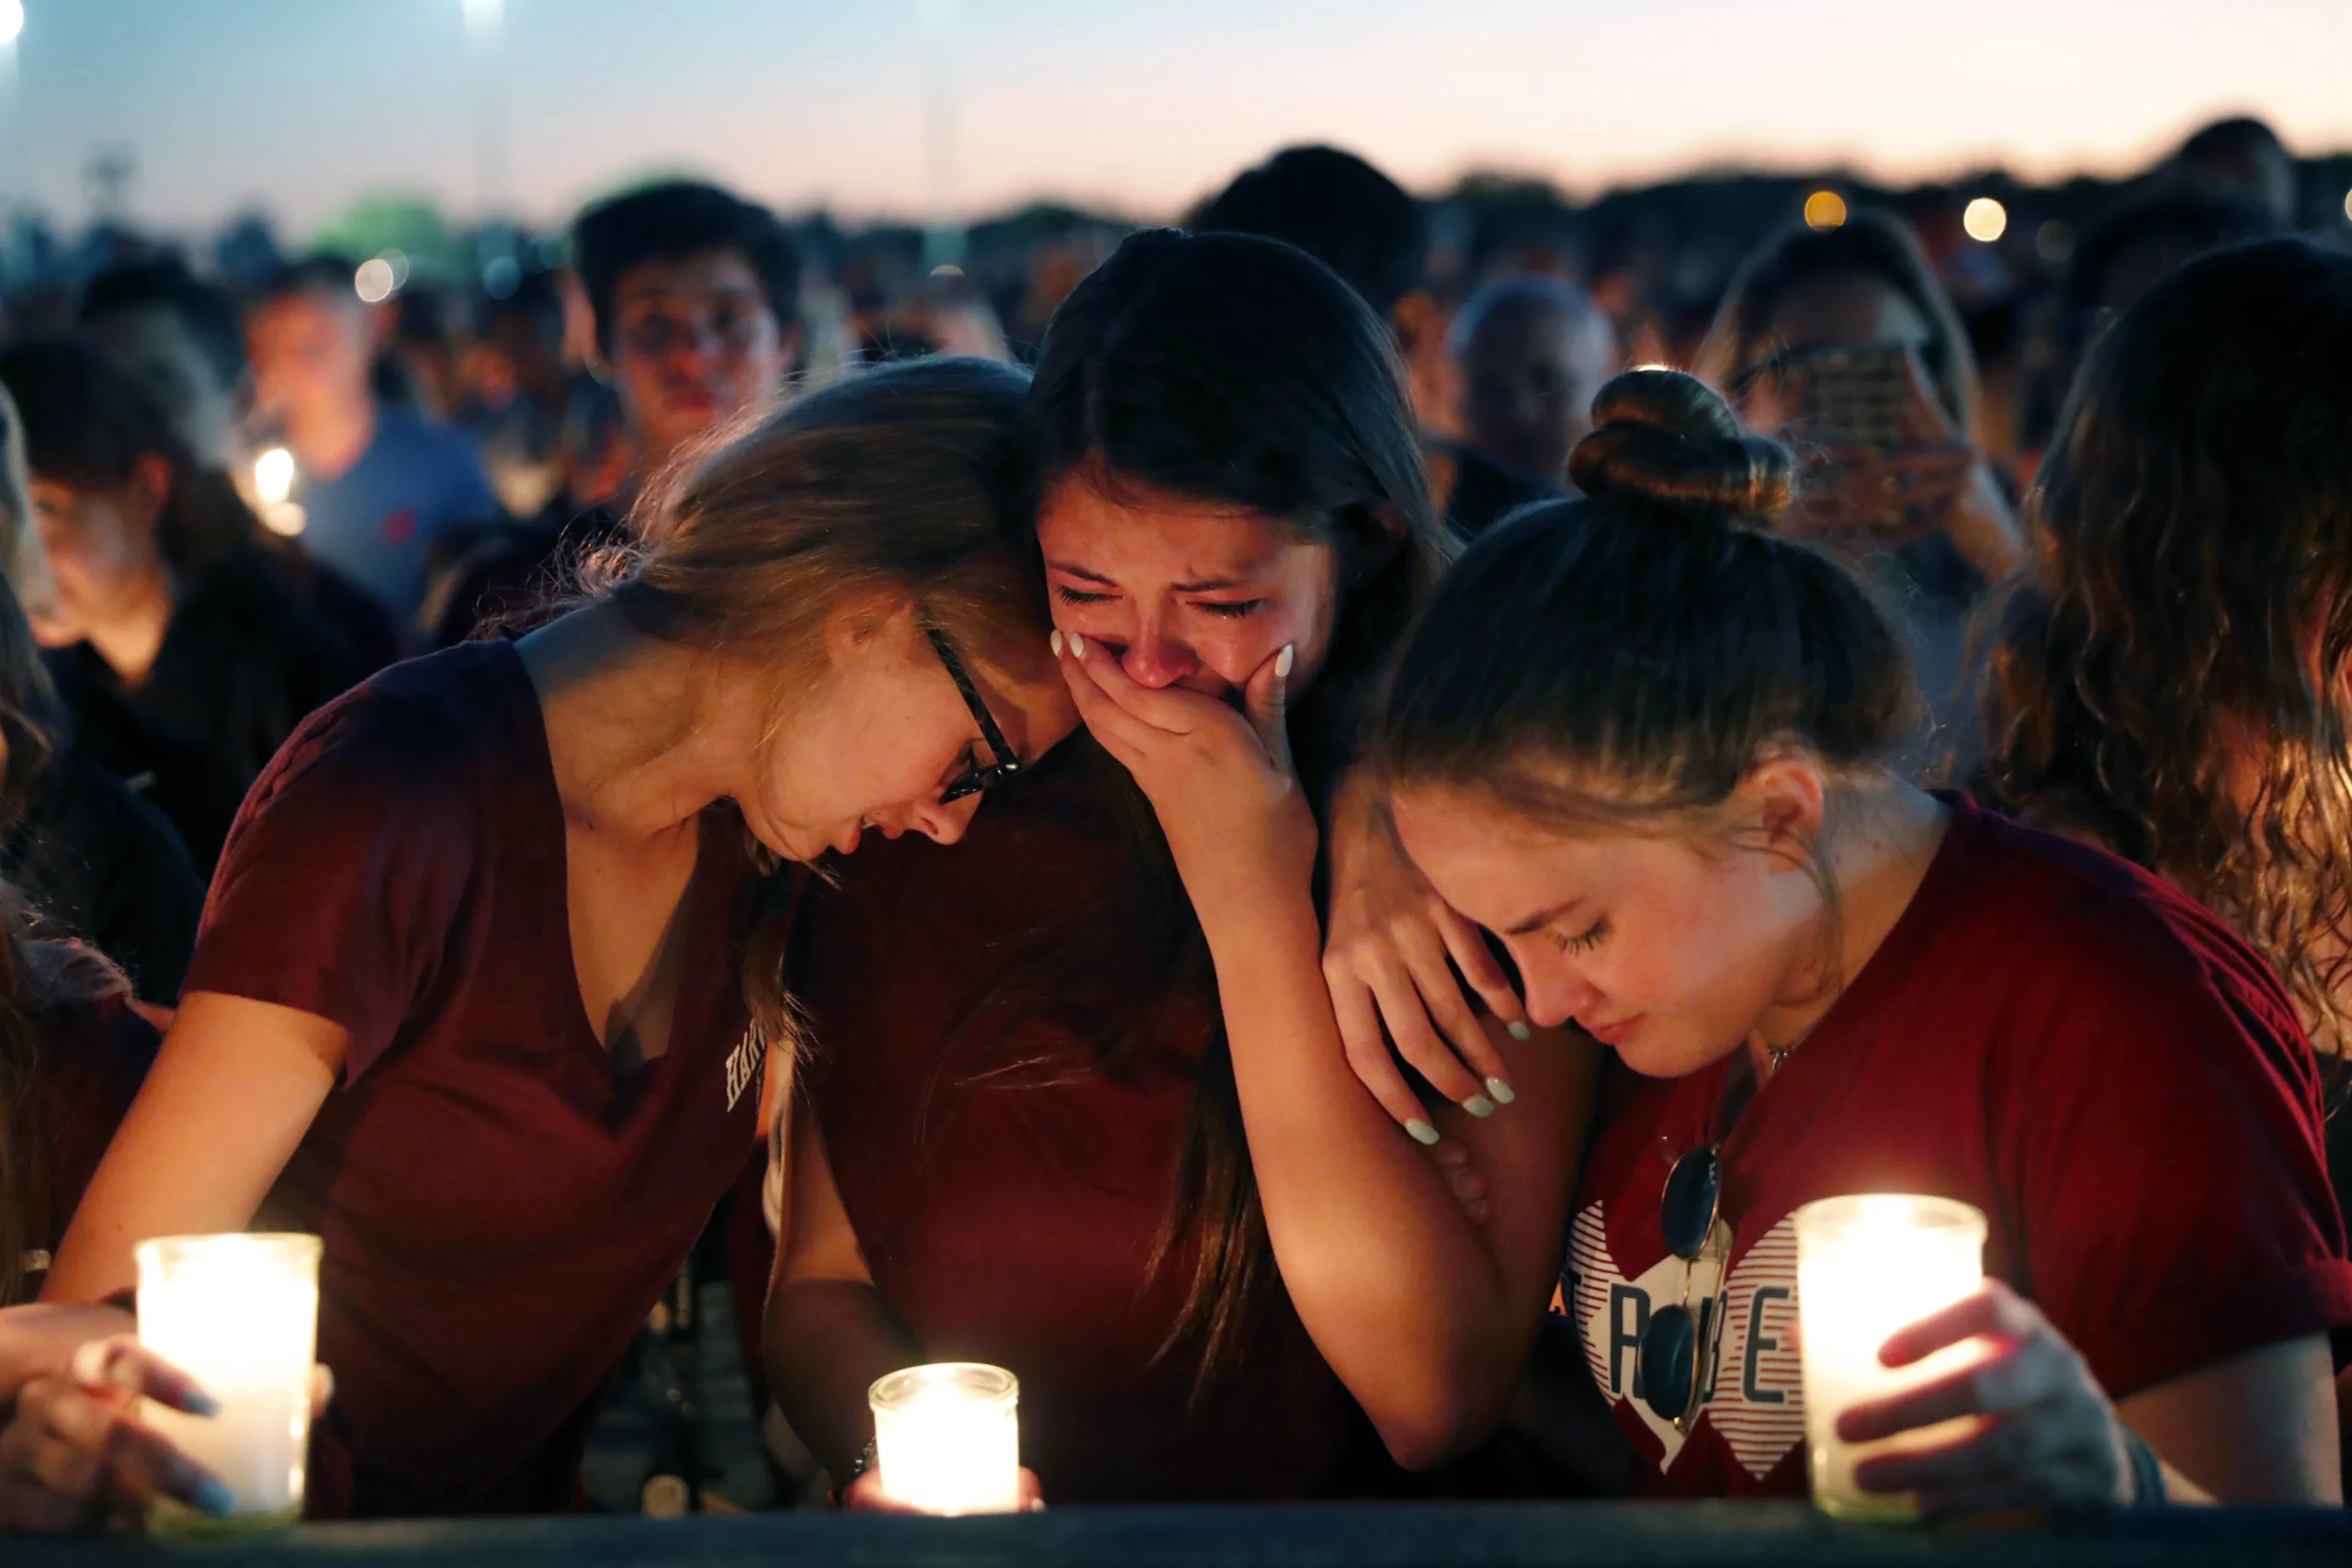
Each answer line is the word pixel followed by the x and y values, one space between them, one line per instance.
pixel 980 777
pixel 1679 1344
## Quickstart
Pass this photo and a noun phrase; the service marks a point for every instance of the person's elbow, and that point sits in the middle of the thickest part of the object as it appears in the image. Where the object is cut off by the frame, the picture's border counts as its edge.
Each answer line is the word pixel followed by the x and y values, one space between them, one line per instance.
pixel 1435 1424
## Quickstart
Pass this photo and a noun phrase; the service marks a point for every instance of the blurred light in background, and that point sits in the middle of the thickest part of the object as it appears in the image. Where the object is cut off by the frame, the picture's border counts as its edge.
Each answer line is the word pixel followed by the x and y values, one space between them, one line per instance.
pixel 273 482
pixel 2054 242
pixel 374 280
pixel 1825 209
pixel 2347 204
pixel 274 476
pixel 1986 219
pixel 12 20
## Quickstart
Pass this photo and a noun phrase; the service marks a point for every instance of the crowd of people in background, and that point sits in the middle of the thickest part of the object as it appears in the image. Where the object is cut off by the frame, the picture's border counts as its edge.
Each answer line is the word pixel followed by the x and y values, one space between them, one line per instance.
pixel 1388 731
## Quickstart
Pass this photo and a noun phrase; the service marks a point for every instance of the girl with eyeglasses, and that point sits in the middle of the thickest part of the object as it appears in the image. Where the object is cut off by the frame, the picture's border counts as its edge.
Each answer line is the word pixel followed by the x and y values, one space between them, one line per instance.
pixel 1641 739
pixel 491 974
pixel 1021 1144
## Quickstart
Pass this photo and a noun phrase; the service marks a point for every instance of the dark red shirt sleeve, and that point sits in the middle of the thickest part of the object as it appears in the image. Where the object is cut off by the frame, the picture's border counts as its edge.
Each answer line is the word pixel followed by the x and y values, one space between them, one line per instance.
pixel 346 871
pixel 2175 1201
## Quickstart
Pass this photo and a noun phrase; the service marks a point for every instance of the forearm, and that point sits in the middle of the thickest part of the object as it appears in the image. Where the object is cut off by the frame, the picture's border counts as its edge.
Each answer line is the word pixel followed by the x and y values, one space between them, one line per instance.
pixel 825 1341
pixel 1408 1302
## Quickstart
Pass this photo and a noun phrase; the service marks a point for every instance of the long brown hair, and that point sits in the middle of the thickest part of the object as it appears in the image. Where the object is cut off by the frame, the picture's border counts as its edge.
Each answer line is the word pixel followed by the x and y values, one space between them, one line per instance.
pixel 1238 370
pixel 2170 675
pixel 906 479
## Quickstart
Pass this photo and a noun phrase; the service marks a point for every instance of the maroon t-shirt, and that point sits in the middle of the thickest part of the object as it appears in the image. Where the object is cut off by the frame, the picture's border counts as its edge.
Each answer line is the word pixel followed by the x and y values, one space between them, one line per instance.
pixel 2048 1033
pixel 1007 1191
pixel 500 1213
pixel 89 1058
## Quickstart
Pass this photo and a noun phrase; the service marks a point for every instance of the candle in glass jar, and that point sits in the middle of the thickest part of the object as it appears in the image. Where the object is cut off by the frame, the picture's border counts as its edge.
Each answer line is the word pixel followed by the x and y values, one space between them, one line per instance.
pixel 948 1437
pixel 1867 1267
pixel 239 1314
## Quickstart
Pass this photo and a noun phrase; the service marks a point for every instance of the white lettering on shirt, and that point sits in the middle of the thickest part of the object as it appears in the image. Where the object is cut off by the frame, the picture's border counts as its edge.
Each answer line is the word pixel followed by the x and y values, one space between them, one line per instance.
pixel 1755 1399
pixel 743 1063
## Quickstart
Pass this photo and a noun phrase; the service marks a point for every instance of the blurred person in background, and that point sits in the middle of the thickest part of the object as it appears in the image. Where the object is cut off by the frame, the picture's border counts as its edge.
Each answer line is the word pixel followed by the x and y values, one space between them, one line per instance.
pixel 692 296
pixel 519 392
pixel 417 367
pixel 2118 258
pixel 171 620
pixel 1366 226
pixel 695 294
pixel 376 484
pixel 2242 159
pixel 1841 343
pixel 181 338
pixel 92 859
pixel 2172 677
pixel 1532 350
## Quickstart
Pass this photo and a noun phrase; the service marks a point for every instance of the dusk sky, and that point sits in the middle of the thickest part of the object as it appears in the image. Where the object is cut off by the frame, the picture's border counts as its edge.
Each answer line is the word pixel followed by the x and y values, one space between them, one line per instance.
pixel 300 105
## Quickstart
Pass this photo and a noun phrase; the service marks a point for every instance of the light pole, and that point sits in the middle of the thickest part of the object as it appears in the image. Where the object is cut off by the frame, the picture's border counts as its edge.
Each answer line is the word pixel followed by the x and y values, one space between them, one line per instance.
pixel 494 236
pixel 944 233
pixel 15 178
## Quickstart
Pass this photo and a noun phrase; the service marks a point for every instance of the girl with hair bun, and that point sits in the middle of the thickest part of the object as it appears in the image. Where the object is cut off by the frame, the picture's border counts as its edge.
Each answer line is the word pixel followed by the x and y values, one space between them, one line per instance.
pixel 1643 740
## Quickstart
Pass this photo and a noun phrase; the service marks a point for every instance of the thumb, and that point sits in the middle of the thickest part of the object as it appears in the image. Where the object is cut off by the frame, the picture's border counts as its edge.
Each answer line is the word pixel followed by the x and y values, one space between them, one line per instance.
pixel 1266 701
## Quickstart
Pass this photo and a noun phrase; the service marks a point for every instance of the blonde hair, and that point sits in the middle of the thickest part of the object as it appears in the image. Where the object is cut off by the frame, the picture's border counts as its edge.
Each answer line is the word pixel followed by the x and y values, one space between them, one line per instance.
pixel 905 480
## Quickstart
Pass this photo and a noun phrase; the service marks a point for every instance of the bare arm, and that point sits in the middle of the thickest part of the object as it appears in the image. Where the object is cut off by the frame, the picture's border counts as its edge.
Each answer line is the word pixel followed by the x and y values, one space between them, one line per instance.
pixel 235 1086
pixel 1427 1318
pixel 827 1334
pixel 2259 1427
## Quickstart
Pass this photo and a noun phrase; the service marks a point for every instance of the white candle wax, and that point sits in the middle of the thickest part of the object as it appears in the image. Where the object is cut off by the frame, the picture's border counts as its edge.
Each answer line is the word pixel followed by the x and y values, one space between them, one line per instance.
pixel 238 1314
pixel 948 1437
pixel 1867 1267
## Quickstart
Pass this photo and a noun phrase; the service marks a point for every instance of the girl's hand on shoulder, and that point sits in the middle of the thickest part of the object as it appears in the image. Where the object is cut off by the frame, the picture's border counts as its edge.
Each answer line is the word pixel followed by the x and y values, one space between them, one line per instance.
pixel 2042 1434
pixel 1389 958
pixel 1220 781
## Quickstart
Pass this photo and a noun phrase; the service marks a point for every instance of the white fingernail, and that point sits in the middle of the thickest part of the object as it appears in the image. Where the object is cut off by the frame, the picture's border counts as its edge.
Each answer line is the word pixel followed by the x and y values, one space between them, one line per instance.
pixel 1077 646
pixel 91 1365
pixel 1283 661
pixel 1504 1094
pixel 1519 1031
pixel 1056 641
pixel 1479 1105
pixel 1422 1132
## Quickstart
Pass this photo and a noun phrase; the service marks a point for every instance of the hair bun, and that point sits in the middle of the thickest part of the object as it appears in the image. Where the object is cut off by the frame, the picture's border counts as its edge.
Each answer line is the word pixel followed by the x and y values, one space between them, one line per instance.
pixel 1668 438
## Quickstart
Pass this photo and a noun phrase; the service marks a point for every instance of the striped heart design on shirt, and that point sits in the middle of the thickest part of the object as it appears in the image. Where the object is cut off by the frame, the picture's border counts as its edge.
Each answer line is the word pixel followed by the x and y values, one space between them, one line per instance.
pixel 1756 1401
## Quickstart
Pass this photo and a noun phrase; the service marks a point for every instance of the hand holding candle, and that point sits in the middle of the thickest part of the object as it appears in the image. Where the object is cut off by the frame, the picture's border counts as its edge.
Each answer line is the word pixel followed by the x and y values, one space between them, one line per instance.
pixel 2031 1427
pixel 1866 1267
pixel 77 1451
pixel 239 1314
pixel 1929 1389
pixel 947 1438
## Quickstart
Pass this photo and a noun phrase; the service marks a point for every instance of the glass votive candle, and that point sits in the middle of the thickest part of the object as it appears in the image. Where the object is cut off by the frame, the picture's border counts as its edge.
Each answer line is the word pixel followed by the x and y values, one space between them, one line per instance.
pixel 239 1314
pixel 1867 1267
pixel 948 1437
